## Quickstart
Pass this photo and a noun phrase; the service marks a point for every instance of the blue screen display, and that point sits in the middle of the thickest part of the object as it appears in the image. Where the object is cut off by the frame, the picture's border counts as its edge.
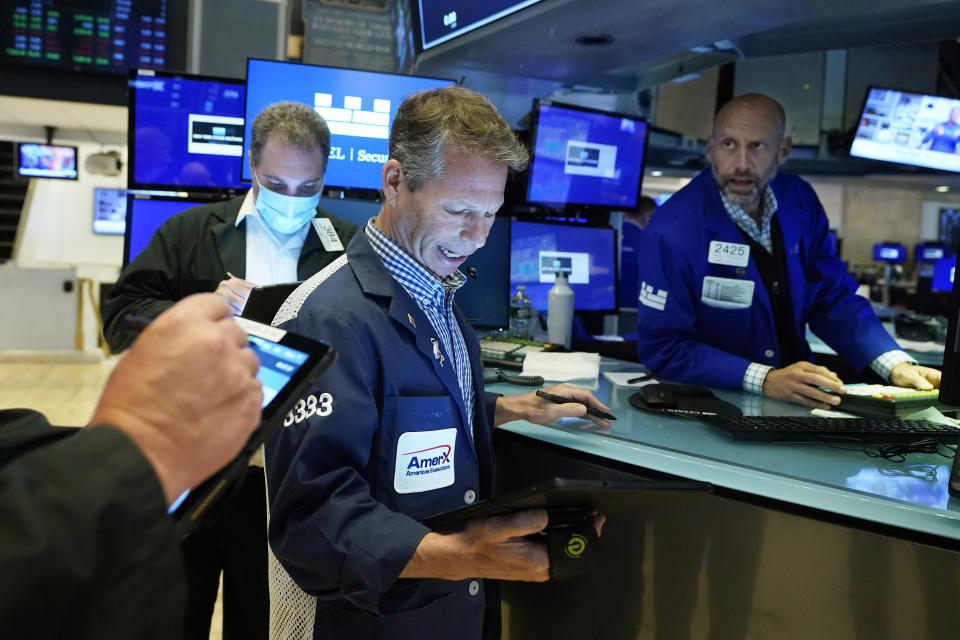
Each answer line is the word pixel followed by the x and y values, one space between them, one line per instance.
pixel 358 106
pixel 889 253
pixel 588 254
pixel 442 20
pixel 587 158
pixel 943 274
pixel 187 132
pixel 928 252
pixel 144 217
pixel 278 363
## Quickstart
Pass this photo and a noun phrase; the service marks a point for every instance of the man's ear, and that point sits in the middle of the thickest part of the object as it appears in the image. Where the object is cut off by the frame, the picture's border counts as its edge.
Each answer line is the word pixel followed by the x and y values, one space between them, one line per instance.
pixel 785 145
pixel 392 174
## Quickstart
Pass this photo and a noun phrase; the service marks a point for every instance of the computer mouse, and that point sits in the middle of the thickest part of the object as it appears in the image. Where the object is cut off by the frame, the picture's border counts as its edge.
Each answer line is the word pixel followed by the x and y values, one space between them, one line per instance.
pixel 658 396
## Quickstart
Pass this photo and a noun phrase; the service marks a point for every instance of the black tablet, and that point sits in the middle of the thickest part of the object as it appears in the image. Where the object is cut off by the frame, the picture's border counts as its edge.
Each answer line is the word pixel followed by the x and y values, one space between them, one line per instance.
pixel 563 494
pixel 264 301
pixel 289 365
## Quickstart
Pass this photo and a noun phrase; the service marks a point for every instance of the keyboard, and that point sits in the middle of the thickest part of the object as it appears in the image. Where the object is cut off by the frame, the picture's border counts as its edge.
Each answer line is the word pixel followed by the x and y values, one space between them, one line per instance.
pixel 816 428
pixel 508 353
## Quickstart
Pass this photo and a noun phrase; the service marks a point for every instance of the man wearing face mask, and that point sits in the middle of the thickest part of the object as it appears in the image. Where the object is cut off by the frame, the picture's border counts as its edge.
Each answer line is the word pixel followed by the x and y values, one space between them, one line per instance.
pixel 275 233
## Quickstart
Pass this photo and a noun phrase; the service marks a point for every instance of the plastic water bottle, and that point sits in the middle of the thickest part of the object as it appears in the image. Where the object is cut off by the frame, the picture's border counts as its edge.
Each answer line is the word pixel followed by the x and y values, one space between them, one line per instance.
pixel 560 311
pixel 520 314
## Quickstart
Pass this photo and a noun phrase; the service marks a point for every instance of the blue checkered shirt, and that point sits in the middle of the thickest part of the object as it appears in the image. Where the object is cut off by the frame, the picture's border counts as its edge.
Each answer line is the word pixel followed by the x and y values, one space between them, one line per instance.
pixel 756 372
pixel 434 296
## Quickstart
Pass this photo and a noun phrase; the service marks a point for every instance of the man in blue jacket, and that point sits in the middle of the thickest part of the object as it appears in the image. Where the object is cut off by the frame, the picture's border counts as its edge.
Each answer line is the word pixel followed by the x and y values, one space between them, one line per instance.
pixel 400 427
pixel 737 263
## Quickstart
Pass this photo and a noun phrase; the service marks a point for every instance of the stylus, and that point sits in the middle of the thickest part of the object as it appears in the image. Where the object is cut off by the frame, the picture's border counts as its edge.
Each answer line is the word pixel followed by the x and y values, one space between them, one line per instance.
pixel 561 400
pixel 645 376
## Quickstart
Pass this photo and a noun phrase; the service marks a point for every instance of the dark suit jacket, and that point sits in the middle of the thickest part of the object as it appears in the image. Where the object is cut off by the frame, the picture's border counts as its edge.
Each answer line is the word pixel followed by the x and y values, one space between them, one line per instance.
pixel 86 547
pixel 192 253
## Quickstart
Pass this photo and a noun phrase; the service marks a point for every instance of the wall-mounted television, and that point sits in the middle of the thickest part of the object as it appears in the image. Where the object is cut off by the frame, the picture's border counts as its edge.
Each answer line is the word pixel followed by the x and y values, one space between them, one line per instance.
pixel 46 161
pixel 185 132
pixel 358 106
pixel 109 210
pixel 585 156
pixel 443 20
pixel 588 255
pixel 909 128
pixel 930 251
pixel 943 270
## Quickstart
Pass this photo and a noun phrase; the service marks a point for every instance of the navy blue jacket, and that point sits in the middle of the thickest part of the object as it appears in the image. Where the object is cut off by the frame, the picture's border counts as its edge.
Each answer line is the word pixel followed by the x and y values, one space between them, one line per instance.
pixel 338 523
pixel 681 338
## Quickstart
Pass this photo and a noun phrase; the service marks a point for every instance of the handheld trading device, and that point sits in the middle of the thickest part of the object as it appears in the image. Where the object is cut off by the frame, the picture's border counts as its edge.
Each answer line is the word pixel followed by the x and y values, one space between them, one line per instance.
pixel 289 365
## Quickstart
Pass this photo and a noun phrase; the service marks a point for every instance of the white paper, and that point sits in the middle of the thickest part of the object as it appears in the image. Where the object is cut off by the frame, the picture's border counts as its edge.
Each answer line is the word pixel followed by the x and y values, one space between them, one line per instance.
pixel 562 366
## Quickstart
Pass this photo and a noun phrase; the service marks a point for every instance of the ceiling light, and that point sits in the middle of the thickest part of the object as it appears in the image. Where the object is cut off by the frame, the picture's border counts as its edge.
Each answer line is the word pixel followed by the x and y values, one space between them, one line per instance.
pixel 942 189
pixel 656 174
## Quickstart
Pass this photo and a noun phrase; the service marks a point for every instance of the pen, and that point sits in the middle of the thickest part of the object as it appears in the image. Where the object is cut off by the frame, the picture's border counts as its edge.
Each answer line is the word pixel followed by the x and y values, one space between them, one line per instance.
pixel 645 376
pixel 230 275
pixel 561 400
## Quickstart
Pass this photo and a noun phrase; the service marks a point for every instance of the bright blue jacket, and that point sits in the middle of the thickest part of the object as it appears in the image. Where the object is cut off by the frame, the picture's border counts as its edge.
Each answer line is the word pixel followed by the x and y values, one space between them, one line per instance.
pixel 338 525
pixel 683 339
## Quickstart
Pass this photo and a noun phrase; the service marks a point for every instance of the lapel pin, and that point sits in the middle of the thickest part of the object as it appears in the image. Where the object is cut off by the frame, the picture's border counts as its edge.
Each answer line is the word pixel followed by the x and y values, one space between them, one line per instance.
pixel 436 351
pixel 741 271
pixel 413 323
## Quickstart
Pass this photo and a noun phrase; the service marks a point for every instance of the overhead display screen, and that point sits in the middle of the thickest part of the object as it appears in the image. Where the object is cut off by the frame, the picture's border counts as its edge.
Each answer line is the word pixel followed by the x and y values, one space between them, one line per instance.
pixel 586 157
pixel 358 106
pixel 909 128
pixel 93 35
pixel 442 20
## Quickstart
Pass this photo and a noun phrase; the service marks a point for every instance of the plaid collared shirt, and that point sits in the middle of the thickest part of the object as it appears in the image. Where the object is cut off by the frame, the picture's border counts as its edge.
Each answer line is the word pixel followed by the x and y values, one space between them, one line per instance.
pixel 748 225
pixel 434 296
pixel 756 372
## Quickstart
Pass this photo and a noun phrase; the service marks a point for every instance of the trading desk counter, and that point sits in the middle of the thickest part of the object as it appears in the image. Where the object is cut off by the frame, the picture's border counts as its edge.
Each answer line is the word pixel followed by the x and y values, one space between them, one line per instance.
pixel 793 540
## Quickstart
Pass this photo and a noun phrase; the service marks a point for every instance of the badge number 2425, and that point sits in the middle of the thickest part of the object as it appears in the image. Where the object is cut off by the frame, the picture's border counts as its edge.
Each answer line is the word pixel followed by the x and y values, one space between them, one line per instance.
pixel 309 406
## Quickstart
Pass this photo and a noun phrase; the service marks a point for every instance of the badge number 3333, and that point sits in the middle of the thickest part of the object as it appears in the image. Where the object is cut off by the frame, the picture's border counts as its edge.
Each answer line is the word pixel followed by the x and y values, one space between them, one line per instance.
pixel 309 406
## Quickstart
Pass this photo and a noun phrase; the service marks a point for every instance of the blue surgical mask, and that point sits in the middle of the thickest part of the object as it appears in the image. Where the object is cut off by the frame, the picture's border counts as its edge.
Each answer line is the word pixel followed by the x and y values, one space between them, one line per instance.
pixel 285 214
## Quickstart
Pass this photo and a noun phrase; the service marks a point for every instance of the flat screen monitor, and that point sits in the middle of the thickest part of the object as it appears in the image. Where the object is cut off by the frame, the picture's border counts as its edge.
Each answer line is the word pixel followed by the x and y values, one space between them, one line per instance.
pixel 943 273
pixel 145 214
pixel 444 20
pixel 485 298
pixel 46 161
pixel 92 35
pixel 930 251
pixel 186 132
pixel 585 157
pixel 358 107
pixel 587 254
pixel 909 128
pixel 109 210
pixel 889 252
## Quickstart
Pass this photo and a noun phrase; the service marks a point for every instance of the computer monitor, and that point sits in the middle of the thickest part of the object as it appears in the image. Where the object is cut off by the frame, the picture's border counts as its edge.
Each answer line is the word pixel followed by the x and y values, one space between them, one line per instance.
pixel 943 270
pixel 485 299
pixel 359 107
pixel 585 156
pixel 587 254
pixel 46 161
pixel 910 128
pixel 948 228
pixel 929 252
pixel 889 252
pixel 185 132
pixel 145 214
pixel 109 210
pixel 950 380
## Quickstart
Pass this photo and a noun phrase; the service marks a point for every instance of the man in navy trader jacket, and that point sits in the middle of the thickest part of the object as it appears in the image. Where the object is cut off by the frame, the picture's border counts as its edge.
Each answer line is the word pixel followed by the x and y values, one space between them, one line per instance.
pixel 737 263
pixel 400 427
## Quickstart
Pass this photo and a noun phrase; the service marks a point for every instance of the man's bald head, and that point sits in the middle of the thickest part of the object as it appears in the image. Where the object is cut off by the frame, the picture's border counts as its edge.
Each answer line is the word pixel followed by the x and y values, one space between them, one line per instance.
pixel 747 147
pixel 760 108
